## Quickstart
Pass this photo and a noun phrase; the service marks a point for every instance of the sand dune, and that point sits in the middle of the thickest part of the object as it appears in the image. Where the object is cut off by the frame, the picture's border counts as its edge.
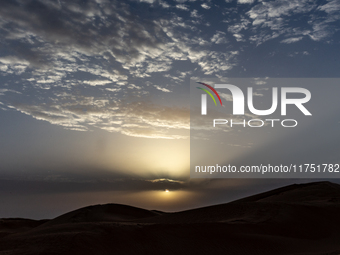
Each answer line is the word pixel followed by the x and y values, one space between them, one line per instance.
pixel 296 219
pixel 103 213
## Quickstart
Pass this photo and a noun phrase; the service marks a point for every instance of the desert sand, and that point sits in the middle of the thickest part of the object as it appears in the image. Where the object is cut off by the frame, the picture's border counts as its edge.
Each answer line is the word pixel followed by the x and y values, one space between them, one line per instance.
pixel 296 219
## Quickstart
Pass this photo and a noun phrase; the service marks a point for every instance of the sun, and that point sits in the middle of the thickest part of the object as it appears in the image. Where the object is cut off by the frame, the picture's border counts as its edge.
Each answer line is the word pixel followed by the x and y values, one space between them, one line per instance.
pixel 166 190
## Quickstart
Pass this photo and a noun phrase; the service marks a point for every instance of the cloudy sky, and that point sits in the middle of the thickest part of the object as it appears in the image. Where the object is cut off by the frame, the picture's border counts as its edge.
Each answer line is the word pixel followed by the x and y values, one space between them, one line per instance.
pixel 94 95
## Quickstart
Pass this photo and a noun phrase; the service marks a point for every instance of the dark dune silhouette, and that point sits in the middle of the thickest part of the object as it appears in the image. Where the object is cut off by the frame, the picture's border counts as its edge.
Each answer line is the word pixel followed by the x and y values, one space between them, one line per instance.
pixel 103 213
pixel 296 219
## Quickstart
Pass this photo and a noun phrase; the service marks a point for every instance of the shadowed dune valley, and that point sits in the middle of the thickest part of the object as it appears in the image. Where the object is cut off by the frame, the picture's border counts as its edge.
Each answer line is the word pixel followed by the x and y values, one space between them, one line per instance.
pixel 295 219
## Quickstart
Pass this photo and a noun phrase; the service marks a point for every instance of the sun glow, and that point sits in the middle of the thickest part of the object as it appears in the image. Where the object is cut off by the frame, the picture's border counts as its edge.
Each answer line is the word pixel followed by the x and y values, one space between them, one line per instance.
pixel 166 190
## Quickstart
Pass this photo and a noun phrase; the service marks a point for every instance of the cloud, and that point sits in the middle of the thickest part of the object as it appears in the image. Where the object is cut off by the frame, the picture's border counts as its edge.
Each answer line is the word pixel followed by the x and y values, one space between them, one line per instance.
pixel 260 81
pixel 56 55
pixel 182 7
pixel 214 62
pixel 292 40
pixel 163 4
pixel 97 82
pixel 194 14
pixel 279 16
pixel 239 26
pixel 279 8
pixel 150 134
pixel 3 91
pixel 205 6
pixel 138 119
pixel 113 89
pixel 148 1
pixel 67 53
pixel 119 45
pixel 227 97
pixel 245 1
pixel 219 38
pixel 331 7
pixel 13 65
pixel 257 94
pixel 162 89
pixel 45 23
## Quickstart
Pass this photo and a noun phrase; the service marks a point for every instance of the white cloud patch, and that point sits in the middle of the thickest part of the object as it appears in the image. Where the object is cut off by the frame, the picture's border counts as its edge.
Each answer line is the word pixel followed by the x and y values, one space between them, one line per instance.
pixel 214 62
pixel 332 6
pixel 278 15
pixel 206 6
pixel 113 89
pixel 245 1
pixel 257 94
pixel 219 38
pixel 163 4
pixel 194 14
pixel 227 97
pixel 97 82
pixel 182 7
pixel 260 81
pixel 161 88
pixel 3 91
pixel 13 64
pixel 292 40
pixel 137 119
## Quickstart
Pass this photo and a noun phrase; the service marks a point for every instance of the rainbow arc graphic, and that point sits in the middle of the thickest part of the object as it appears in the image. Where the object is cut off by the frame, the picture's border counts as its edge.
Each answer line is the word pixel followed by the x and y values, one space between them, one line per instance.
pixel 208 92
pixel 204 97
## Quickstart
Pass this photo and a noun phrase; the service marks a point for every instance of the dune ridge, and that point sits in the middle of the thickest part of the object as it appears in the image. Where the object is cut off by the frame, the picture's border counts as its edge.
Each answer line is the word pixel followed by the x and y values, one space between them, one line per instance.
pixel 295 219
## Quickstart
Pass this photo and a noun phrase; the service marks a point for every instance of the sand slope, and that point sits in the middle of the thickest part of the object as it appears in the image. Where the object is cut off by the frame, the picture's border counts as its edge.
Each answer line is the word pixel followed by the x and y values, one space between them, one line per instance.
pixel 297 219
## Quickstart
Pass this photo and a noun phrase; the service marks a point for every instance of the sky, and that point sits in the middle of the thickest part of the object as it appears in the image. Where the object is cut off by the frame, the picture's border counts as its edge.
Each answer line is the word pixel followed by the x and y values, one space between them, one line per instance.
pixel 94 95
